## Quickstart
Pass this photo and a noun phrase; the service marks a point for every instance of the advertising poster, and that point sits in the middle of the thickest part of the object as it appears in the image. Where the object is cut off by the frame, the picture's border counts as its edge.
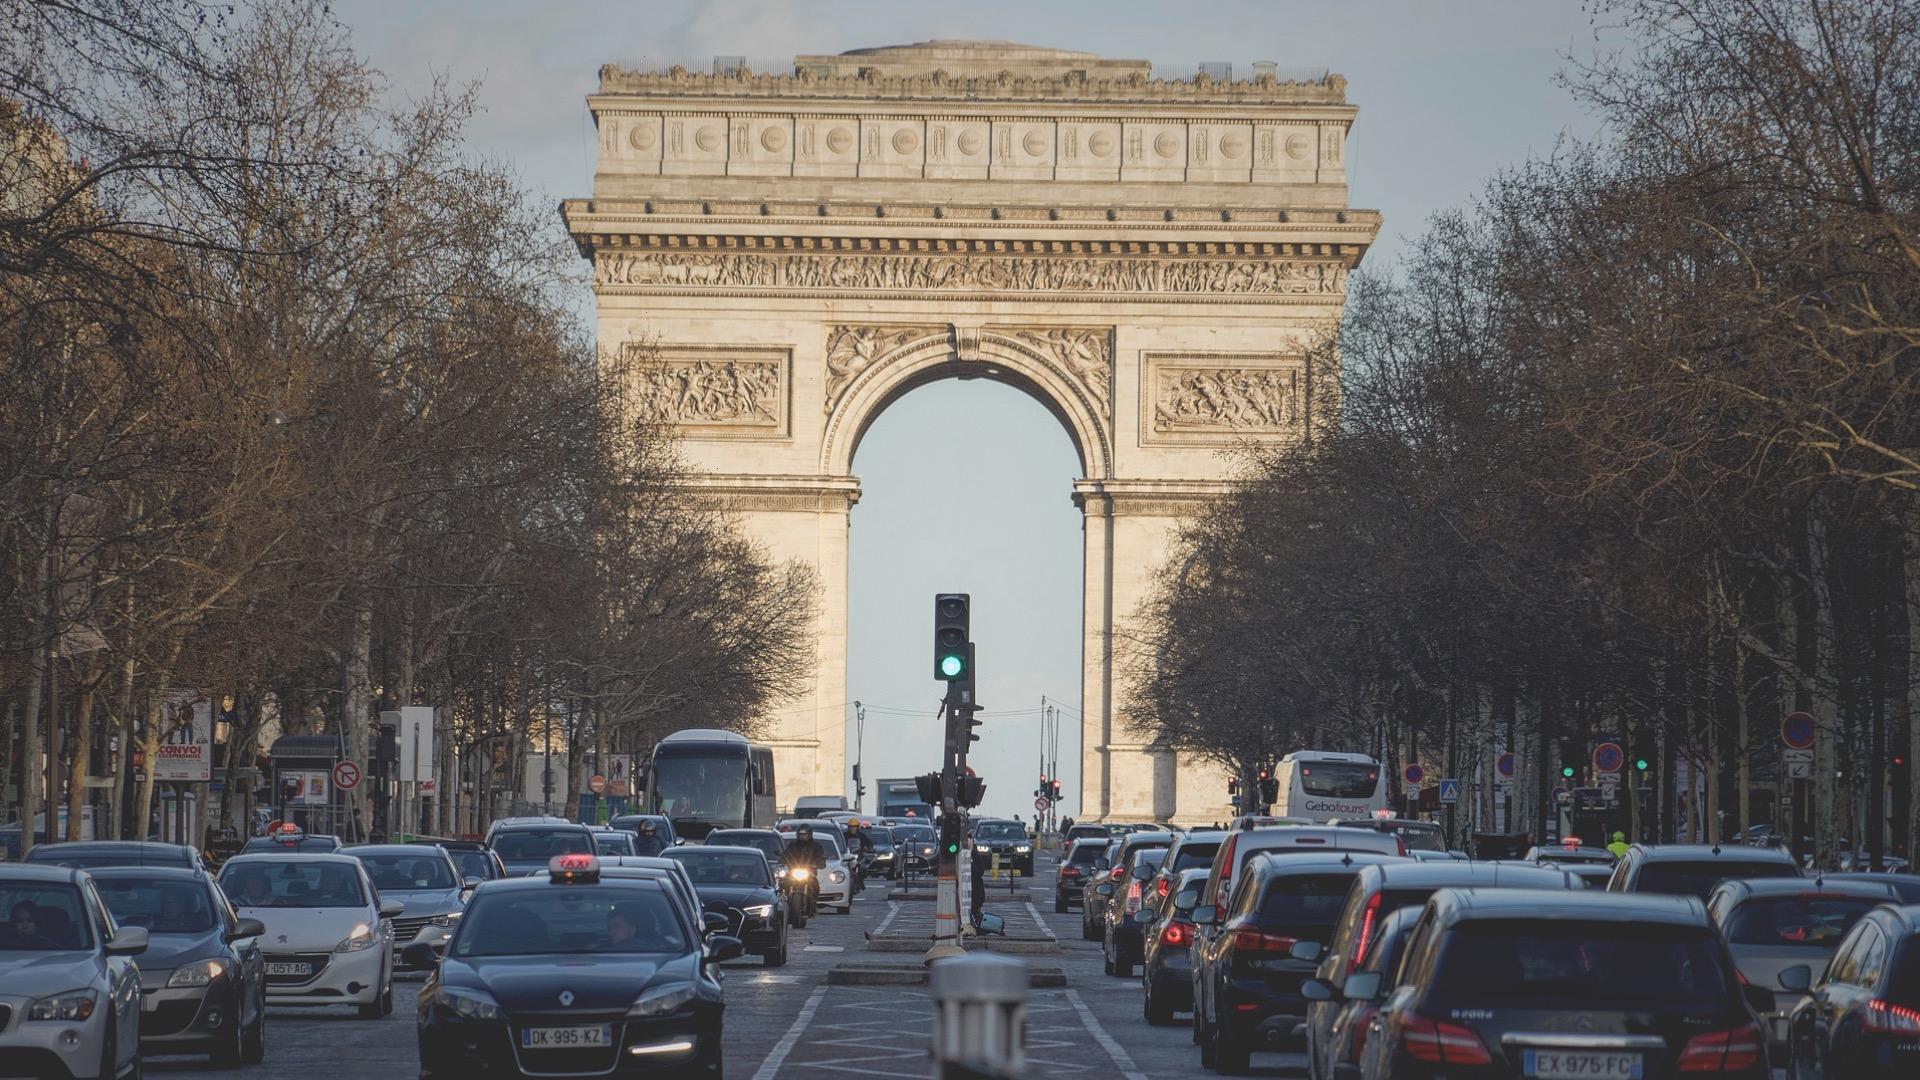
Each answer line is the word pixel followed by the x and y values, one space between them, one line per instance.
pixel 617 766
pixel 186 738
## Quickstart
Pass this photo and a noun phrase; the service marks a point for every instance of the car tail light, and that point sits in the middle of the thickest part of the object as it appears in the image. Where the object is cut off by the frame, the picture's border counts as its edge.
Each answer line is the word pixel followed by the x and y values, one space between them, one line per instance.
pixel 1226 863
pixel 1733 1050
pixel 1891 1019
pixel 1177 932
pixel 1401 841
pixel 1367 916
pixel 1165 886
pixel 1442 1043
pixel 1069 871
pixel 1248 939
pixel 1133 897
pixel 1362 1016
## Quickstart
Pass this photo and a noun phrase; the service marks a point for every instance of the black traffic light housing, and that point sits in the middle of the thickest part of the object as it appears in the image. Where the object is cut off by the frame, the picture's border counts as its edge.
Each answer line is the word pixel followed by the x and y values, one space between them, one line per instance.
pixel 1269 787
pixel 1570 763
pixel 953 833
pixel 952 660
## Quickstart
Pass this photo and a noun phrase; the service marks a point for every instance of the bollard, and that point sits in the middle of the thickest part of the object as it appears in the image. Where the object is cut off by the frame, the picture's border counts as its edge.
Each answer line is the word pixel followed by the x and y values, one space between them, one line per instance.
pixel 980 1017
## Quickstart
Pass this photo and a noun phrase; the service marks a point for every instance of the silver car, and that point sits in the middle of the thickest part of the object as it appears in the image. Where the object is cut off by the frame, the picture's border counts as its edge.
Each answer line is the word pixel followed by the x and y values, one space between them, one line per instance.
pixel 425 880
pixel 69 988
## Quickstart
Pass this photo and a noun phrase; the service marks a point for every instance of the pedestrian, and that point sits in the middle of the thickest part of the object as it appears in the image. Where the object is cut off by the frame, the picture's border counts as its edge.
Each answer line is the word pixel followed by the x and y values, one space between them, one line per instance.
pixel 979 887
pixel 1619 845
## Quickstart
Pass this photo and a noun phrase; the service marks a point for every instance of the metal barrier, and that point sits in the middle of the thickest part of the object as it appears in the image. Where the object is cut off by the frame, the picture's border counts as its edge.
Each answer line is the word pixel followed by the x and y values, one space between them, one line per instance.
pixel 980 1017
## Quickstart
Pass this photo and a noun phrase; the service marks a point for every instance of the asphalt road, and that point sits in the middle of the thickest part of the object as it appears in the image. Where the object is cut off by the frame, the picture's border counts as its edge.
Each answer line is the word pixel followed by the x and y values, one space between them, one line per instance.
pixel 788 1022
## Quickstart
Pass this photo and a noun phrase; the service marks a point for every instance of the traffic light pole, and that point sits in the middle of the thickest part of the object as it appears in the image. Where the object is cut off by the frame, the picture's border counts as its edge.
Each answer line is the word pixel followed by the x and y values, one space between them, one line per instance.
pixel 946 887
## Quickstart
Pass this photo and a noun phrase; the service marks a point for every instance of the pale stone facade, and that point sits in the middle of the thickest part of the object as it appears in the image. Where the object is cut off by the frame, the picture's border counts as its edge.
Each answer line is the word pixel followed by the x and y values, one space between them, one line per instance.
pixel 1146 257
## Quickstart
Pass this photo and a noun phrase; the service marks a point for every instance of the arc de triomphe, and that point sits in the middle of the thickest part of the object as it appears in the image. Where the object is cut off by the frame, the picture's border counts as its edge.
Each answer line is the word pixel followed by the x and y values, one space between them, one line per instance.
pixel 1145 257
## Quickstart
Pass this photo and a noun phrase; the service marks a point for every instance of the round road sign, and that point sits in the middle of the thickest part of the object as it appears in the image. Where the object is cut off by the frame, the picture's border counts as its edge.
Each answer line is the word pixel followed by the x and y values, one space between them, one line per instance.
pixel 1504 765
pixel 596 783
pixel 346 776
pixel 1797 730
pixel 1413 774
pixel 1040 805
pixel 1608 757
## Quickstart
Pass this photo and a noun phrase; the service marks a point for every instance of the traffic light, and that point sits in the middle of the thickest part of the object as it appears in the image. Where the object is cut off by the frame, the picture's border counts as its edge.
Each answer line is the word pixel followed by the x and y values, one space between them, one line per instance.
pixel 1269 786
pixel 952 834
pixel 1641 764
pixel 1056 791
pixel 971 717
pixel 1569 758
pixel 952 660
pixel 1233 785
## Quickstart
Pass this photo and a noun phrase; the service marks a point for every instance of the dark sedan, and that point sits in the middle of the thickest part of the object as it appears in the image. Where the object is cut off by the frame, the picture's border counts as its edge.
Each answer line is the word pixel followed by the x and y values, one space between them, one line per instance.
pixel 1083 860
pixel 203 984
pixel 91 854
pixel 473 858
pixel 1862 1019
pixel 1166 969
pixel 573 974
pixel 738 883
pixel 1007 841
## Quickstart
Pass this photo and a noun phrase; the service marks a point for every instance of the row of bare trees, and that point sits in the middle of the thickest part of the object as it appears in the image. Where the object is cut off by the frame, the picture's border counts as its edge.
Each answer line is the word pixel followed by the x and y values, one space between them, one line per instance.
pixel 294 412
pixel 1629 449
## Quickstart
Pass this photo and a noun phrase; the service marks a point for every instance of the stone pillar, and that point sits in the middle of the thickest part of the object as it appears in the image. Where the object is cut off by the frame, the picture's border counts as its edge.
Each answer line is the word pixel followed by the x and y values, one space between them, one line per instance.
pixel 1096 653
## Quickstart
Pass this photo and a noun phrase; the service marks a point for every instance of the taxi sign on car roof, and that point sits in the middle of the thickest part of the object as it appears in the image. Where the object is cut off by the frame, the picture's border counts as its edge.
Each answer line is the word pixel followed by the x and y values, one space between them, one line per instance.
pixel 575 869
pixel 289 833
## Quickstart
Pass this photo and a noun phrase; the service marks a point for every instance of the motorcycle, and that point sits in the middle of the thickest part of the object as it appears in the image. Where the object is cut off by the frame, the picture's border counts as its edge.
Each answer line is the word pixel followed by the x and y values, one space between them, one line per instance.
pixel 803 895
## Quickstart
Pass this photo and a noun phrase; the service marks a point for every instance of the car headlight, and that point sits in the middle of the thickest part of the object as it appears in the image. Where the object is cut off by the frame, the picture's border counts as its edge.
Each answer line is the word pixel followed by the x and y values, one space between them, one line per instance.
pixel 1022 848
pixel 837 875
pixel 451 918
pixel 72 1005
pixel 471 1004
pixel 199 973
pixel 662 1001
pixel 759 911
pixel 360 940
pixel 981 849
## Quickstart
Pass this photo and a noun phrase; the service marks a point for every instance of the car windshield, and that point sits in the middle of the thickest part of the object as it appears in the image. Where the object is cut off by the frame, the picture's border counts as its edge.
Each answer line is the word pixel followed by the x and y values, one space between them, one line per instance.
pixel 910 834
pixel 999 830
pixel 1697 878
pixel 1339 779
pixel 1796 920
pixel 83 859
pixel 473 864
pixel 264 883
pixel 633 917
pixel 1194 856
pixel 160 907
pixel 1417 837
pixel 408 873
pixel 1307 904
pixel 523 844
pixel 719 867
pixel 768 845
pixel 42 917
pixel 1087 854
pixel 1580 965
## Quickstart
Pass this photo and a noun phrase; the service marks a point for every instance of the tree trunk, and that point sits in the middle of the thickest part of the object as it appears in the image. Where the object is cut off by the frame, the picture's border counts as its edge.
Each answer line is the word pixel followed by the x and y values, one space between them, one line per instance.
pixel 1821 683
pixel 150 753
pixel 117 813
pixel 77 790
pixel 357 706
pixel 30 747
pixel 1743 741
pixel 1910 699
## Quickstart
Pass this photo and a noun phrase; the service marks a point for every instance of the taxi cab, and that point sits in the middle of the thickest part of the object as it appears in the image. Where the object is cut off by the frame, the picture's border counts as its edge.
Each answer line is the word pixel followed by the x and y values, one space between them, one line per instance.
pixel 573 974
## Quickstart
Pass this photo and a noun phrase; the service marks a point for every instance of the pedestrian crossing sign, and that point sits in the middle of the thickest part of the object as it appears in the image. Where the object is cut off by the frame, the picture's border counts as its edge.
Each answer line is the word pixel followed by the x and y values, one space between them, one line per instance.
pixel 1449 791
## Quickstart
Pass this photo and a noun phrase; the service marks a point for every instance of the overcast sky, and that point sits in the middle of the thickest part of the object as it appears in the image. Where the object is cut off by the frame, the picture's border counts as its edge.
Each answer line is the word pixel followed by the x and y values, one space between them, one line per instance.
pixel 1448 94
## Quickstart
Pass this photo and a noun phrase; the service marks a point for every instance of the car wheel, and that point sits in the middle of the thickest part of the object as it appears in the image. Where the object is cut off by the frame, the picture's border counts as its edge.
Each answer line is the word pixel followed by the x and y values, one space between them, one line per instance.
pixel 1230 1055
pixel 1122 964
pixel 1059 904
pixel 1207 1048
pixel 254 1050
pixel 777 956
pixel 232 1051
pixel 713 1064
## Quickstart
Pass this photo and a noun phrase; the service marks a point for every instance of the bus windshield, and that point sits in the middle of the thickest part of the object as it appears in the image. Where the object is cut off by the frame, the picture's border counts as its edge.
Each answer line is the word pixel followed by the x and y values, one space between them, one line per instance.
pixel 1339 779
pixel 709 788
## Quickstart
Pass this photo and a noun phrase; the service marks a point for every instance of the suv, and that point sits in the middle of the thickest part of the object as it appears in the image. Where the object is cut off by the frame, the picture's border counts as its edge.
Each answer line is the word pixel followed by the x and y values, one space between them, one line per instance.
pixel 527 846
pixel 1417 835
pixel 70 966
pixel 1862 1020
pixel 1694 869
pixel 1008 840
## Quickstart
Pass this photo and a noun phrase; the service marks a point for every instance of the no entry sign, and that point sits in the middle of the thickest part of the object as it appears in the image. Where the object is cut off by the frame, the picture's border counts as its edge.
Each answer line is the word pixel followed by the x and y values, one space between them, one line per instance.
pixel 346 776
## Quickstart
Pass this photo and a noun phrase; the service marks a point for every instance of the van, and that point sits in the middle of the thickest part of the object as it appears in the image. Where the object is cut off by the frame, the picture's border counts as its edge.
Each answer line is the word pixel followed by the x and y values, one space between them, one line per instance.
pixel 812 806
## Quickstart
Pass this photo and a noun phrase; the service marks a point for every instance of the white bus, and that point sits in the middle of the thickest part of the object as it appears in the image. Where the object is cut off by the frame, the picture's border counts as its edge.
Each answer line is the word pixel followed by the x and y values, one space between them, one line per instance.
pixel 1320 785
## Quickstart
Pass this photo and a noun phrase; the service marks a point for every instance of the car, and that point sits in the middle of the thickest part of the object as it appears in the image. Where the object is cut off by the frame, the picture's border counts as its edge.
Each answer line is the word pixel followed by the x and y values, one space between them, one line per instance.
pixel 1093 905
pixel 671 871
pixel 1417 835
pixel 918 844
pixel 424 880
pixel 203 983
pixel 1087 832
pixel 473 857
pixel 1495 984
pixel 1907 885
pixel 1346 1034
pixel 574 972
pixel 1694 869
pixel 613 842
pixel 1166 975
pixel 1861 1019
pixel 740 885
pixel 89 854
pixel 1188 851
pixel 886 853
pixel 1570 853
pixel 1248 972
pixel 292 840
pixel 1083 859
pixel 1379 891
pixel 526 847
pixel 1772 924
pixel 766 841
pixel 1005 841
pixel 1243 844
pixel 329 934
pixel 1126 910
pixel 69 977
pixel 813 806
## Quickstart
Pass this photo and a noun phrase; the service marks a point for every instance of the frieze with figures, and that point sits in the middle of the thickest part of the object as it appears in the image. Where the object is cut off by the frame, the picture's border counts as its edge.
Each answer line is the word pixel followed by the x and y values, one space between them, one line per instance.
pixel 1239 399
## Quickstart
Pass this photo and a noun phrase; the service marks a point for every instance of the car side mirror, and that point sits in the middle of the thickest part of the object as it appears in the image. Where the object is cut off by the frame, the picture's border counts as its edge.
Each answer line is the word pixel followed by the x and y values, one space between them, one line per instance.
pixel 420 954
pixel 1759 998
pixel 1797 979
pixel 390 908
pixel 1361 986
pixel 129 941
pixel 472 883
pixel 1105 888
pixel 1308 951
pixel 1206 914
pixel 1142 872
pixel 723 947
pixel 246 928
pixel 713 922
pixel 1315 990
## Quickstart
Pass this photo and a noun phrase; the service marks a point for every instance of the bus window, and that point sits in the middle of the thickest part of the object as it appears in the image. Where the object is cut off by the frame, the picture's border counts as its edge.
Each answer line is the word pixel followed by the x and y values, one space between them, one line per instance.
pixel 1339 779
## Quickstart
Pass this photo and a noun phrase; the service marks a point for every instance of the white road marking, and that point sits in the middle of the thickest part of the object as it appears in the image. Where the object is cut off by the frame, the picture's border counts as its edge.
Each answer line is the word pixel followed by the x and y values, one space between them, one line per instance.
pixel 1121 1059
pixel 826 948
pixel 1040 922
pixel 778 1055
pixel 893 908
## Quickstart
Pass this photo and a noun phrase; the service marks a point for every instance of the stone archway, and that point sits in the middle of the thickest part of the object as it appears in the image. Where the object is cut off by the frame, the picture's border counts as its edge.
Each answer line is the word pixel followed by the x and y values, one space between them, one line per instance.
pixel 1147 258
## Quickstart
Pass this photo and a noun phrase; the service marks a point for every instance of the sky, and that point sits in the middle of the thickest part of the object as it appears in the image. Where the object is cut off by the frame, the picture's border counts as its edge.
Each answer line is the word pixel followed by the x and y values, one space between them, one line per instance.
pixel 1449 93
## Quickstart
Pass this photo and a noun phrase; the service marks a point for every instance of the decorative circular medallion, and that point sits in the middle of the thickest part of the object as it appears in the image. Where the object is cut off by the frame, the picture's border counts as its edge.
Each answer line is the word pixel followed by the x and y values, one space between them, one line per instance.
pixel 1166 144
pixel 1035 143
pixel 1297 146
pixel 905 142
pixel 707 138
pixel 642 136
pixel 1100 144
pixel 1233 144
pixel 970 142
pixel 839 140
pixel 774 139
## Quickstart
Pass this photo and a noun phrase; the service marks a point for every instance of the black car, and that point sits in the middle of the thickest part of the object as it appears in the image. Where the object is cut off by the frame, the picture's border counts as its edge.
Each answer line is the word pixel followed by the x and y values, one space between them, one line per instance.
pixel 527 849
pixel 573 974
pixel 426 881
pixel 203 984
pixel 1166 970
pixel 289 843
pixel 1248 971
pixel 1083 860
pixel 739 884
pixel 1694 869
pixel 91 854
pixel 1194 850
pixel 1093 904
pixel 1861 1020
pixel 1346 1034
pixel 1005 840
pixel 1907 885
pixel 1128 910
pixel 474 859
pixel 1497 985
pixel 1415 834
pixel 917 845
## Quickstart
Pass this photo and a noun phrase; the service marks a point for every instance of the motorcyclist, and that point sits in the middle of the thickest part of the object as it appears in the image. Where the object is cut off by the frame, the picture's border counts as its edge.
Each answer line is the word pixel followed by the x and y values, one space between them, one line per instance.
pixel 805 853
pixel 1619 845
pixel 648 840
pixel 860 849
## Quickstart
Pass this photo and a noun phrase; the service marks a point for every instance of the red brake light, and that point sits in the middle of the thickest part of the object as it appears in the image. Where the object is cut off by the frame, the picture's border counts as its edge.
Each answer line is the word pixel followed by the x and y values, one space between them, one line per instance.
pixel 1891 1019
pixel 1176 932
pixel 1118 873
pixel 1166 885
pixel 1367 917
pixel 1442 1043
pixel 1069 871
pixel 1251 940
pixel 1733 1050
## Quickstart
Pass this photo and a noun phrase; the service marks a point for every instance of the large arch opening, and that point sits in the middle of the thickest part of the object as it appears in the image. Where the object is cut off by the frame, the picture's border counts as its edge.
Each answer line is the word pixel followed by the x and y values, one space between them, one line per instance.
pixel 965 486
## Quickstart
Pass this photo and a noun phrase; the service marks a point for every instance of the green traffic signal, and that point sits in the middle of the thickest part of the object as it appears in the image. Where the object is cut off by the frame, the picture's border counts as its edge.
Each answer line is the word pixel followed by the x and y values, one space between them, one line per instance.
pixel 953 848
pixel 951 665
pixel 1640 764
pixel 1566 771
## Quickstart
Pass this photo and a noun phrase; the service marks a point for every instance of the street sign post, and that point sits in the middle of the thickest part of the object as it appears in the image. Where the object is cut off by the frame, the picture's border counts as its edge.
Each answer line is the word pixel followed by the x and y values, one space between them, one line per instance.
pixel 1799 763
pixel 1449 791
pixel 1504 766
pixel 346 776
pixel 1040 805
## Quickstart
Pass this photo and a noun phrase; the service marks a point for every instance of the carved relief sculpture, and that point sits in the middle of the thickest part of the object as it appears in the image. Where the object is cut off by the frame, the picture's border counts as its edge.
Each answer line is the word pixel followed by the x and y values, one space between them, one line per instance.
pixel 710 390
pixel 1227 399
pixel 1086 354
pixel 853 349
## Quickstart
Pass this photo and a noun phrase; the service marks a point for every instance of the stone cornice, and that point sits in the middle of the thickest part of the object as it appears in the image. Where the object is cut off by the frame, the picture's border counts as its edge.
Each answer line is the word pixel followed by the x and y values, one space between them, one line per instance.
pixel 1346 253
pixel 677 82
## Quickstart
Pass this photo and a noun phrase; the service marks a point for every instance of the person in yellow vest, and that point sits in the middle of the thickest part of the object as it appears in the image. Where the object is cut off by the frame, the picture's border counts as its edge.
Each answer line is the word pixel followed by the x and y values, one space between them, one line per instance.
pixel 1619 845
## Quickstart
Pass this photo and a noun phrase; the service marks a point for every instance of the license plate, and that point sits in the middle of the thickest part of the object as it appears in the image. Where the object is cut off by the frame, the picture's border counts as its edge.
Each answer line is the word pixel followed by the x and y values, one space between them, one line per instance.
pixel 289 969
pixel 562 1037
pixel 1582 1065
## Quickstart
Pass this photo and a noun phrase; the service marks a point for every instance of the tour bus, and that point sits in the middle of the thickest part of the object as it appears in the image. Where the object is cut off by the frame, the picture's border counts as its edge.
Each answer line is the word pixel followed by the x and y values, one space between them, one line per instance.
pixel 704 779
pixel 1321 785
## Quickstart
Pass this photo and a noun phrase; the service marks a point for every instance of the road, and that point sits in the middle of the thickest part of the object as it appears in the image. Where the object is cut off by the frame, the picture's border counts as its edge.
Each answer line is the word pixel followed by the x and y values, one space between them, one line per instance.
pixel 788 1022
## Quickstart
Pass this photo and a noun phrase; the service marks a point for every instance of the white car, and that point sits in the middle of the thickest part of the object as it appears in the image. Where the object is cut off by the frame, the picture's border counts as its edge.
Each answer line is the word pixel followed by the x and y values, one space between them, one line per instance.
pixel 69 988
pixel 836 884
pixel 329 938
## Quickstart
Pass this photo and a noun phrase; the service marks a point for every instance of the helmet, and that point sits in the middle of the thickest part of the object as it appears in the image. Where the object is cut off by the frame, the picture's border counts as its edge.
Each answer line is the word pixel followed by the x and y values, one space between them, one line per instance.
pixel 648 826
pixel 805 832
pixel 1619 838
